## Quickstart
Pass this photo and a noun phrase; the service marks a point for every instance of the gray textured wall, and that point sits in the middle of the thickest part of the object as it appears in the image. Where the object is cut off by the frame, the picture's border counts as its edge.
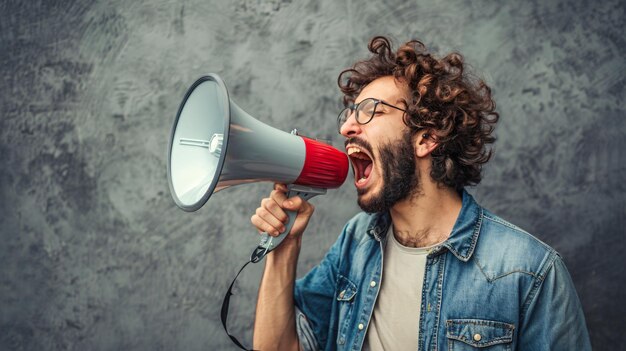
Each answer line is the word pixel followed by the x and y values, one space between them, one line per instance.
pixel 94 255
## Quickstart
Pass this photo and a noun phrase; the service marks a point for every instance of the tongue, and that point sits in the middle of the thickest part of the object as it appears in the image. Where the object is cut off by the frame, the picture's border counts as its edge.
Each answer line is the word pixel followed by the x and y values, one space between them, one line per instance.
pixel 367 171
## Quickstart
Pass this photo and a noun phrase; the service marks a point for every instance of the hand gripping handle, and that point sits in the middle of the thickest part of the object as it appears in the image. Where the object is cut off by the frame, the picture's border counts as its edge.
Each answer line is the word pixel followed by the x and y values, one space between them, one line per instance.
pixel 268 242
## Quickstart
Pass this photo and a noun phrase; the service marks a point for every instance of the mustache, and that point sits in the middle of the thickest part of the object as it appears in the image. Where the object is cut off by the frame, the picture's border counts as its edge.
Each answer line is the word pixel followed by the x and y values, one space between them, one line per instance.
pixel 361 143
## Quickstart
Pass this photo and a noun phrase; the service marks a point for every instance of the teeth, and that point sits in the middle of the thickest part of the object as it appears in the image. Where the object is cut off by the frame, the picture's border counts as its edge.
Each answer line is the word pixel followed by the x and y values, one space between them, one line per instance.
pixel 352 150
pixel 362 180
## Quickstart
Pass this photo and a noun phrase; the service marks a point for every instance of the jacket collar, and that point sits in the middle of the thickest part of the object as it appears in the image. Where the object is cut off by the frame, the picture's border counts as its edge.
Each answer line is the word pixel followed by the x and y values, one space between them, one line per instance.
pixel 462 239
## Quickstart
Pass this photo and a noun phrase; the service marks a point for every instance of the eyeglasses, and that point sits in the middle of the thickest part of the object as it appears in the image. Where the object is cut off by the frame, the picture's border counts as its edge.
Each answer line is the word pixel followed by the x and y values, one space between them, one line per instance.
pixel 365 111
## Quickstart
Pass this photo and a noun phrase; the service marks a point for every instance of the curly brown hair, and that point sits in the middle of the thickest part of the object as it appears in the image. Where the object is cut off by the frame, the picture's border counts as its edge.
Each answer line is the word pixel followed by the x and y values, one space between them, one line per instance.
pixel 453 106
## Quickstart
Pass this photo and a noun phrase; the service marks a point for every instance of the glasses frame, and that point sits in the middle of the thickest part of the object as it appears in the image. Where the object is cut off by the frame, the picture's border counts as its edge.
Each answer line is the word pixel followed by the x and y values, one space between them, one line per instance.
pixel 355 108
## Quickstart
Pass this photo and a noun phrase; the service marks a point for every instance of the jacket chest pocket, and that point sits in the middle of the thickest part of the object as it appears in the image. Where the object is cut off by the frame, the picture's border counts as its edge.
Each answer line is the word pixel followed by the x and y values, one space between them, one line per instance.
pixel 478 334
pixel 346 290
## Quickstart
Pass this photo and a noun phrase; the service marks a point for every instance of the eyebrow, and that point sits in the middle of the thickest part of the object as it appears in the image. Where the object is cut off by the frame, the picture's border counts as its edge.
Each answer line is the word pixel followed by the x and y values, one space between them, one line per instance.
pixel 403 102
pixel 375 98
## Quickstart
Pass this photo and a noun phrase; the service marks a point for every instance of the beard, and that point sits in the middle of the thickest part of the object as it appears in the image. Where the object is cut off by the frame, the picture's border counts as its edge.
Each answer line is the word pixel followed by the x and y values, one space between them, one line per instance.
pixel 400 178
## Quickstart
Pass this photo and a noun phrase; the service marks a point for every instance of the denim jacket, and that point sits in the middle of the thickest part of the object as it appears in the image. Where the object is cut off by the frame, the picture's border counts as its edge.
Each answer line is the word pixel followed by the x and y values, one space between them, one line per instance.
pixel 489 286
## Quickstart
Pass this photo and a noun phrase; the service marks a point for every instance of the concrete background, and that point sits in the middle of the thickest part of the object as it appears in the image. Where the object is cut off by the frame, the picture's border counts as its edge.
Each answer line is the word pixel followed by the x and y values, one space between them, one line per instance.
pixel 94 254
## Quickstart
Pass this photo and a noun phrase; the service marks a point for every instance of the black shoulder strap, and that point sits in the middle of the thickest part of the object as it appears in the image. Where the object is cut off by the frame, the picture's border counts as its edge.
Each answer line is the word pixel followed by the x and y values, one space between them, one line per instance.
pixel 226 304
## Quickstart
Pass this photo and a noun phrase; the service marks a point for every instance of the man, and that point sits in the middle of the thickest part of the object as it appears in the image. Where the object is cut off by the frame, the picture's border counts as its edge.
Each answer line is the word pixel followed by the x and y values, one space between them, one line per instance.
pixel 424 267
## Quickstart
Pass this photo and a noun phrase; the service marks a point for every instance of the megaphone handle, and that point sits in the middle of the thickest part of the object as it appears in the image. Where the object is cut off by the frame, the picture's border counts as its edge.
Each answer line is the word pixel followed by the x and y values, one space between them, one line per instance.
pixel 268 242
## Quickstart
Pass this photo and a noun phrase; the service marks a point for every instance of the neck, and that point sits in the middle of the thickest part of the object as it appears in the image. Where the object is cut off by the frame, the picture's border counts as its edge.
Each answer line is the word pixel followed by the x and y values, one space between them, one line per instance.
pixel 426 218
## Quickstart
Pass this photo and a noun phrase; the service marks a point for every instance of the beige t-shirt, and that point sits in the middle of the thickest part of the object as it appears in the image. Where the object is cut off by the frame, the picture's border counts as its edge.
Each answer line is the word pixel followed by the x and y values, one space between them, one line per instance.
pixel 395 320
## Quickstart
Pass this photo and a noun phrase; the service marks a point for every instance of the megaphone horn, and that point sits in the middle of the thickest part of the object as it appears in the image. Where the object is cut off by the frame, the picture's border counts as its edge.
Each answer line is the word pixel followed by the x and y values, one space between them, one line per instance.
pixel 214 144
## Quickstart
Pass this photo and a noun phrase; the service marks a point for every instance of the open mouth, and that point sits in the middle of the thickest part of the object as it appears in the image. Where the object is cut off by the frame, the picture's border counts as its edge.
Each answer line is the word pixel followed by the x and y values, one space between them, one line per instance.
pixel 361 164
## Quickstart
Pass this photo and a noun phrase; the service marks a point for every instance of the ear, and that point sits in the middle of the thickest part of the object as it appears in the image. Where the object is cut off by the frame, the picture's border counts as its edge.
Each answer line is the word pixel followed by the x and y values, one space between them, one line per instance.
pixel 425 143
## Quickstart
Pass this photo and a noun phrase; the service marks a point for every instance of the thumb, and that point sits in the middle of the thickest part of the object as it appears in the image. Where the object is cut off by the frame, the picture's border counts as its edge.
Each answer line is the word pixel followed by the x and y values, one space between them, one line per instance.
pixel 289 204
pixel 297 204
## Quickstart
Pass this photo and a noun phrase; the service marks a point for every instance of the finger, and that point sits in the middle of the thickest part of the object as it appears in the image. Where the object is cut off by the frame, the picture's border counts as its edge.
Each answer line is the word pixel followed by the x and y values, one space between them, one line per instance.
pixel 273 207
pixel 278 195
pixel 269 218
pixel 263 226
pixel 280 187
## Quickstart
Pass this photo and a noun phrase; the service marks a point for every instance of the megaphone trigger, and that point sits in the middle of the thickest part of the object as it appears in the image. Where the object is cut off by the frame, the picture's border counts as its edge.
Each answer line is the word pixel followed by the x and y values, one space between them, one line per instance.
pixel 268 242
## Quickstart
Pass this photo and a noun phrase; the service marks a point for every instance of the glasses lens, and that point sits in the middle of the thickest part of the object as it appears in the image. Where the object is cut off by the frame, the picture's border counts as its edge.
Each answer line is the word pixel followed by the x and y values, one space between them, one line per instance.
pixel 342 118
pixel 366 110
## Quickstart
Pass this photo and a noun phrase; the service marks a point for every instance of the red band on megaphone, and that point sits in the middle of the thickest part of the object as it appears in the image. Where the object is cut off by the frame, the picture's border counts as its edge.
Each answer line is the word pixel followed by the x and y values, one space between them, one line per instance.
pixel 324 166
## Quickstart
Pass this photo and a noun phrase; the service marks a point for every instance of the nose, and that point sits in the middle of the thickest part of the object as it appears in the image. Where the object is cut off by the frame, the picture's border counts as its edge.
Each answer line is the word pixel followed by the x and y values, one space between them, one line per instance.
pixel 350 127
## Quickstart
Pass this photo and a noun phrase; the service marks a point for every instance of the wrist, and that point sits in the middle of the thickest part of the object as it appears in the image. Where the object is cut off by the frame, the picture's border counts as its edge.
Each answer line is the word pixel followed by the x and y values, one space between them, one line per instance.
pixel 287 252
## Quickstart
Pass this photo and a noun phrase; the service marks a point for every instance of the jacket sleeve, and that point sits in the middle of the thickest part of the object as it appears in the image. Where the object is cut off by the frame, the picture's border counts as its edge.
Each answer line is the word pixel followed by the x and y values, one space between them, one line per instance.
pixel 553 317
pixel 314 297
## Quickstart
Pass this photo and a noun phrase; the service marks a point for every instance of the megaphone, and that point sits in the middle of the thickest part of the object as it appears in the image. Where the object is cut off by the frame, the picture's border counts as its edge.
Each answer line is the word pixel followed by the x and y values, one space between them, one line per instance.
pixel 214 144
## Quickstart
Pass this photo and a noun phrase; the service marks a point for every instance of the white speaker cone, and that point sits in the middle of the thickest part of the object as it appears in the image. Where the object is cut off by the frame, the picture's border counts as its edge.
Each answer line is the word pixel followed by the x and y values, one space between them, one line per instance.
pixel 198 142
